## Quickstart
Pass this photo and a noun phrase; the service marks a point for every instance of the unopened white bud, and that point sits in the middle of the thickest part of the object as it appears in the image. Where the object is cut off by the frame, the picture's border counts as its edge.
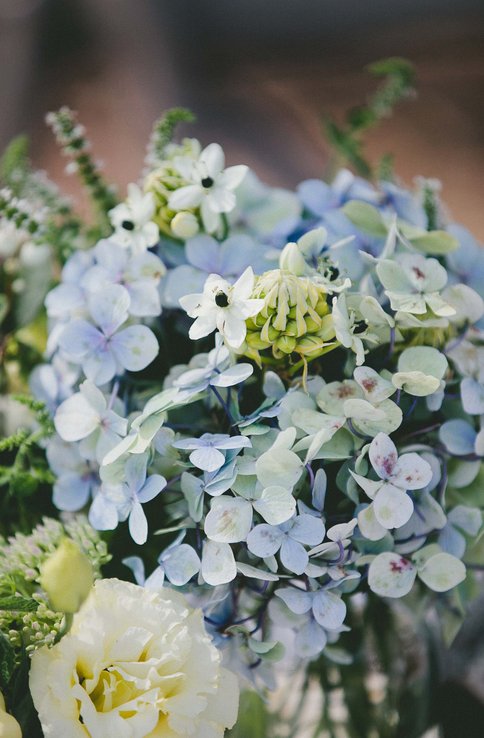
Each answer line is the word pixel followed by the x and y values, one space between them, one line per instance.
pixel 184 225
pixel 291 260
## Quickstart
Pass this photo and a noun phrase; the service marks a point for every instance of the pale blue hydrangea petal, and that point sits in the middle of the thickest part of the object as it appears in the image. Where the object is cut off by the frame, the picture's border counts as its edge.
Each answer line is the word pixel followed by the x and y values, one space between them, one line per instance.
pixel 183 280
pixel 79 338
pixel 452 541
pixel 203 252
pixel 218 563
pixel 135 563
pixel 293 555
pixel 100 365
pixel 109 308
pixel 135 471
pixel 144 299
pixel 152 487
pixel 65 300
pixel 297 600
pixel 310 640
pixel 138 525
pixel 229 519
pixel 207 458
pixel 307 529
pixel 319 490
pixel 192 488
pixel 458 436
pixel 76 418
pixel 135 347
pixel 264 540
pixel 275 505
pixel 468 519
pixel 181 564
pixel 472 394
pixel 71 492
pixel 329 610
pixel 103 514
pixel 234 375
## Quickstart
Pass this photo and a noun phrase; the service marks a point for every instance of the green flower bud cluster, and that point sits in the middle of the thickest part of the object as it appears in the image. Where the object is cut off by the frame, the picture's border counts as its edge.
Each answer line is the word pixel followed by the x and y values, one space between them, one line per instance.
pixel 21 560
pixel 35 629
pixel 164 180
pixel 295 318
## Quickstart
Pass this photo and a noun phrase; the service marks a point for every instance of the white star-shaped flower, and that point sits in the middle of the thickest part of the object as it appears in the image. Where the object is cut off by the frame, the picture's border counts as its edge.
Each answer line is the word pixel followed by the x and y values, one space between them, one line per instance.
pixel 224 307
pixel 132 221
pixel 211 186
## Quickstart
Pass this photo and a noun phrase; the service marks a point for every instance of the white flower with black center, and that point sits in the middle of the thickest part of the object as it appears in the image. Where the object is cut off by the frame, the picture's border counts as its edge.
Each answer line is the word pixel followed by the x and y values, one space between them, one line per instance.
pixel 132 221
pixel 211 187
pixel 224 307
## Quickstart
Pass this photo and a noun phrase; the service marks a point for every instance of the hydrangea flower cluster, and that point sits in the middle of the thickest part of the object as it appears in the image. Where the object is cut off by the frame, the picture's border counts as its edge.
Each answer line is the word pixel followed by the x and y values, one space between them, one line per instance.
pixel 273 397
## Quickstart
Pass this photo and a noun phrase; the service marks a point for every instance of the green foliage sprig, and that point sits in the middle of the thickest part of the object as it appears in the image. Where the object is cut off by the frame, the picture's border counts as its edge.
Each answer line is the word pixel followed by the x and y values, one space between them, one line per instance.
pixel 164 131
pixel 398 77
pixel 25 468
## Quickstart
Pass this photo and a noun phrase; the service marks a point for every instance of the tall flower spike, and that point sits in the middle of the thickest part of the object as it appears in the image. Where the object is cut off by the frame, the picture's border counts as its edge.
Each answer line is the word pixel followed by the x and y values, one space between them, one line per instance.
pixel 71 136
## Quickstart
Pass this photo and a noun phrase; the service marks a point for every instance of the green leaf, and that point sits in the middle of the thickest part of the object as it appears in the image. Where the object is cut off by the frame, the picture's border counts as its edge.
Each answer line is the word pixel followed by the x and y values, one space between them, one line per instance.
pixel 253 720
pixel 435 242
pixel 18 604
pixel 7 661
pixel 365 217
pixel 3 307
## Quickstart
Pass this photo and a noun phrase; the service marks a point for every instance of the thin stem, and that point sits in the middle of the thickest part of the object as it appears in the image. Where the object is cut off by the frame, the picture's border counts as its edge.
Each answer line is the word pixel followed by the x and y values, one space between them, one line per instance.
pixel 224 405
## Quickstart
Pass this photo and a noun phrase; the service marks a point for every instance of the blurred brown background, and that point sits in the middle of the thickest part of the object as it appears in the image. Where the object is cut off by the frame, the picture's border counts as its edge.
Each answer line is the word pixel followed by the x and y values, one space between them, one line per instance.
pixel 258 73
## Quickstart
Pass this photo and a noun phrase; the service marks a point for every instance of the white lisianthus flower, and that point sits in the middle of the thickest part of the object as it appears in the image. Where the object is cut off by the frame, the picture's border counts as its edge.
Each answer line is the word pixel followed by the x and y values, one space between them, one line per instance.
pixel 224 307
pixel 133 221
pixel 211 186
pixel 136 663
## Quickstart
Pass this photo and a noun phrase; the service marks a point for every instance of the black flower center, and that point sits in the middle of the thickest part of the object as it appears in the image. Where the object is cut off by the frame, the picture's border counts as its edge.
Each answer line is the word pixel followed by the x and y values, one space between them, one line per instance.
pixel 333 273
pixel 128 225
pixel 221 299
pixel 359 326
pixel 207 182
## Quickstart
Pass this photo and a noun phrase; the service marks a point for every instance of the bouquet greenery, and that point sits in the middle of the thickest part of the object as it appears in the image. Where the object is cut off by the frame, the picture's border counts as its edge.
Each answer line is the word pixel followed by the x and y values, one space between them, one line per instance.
pixel 251 452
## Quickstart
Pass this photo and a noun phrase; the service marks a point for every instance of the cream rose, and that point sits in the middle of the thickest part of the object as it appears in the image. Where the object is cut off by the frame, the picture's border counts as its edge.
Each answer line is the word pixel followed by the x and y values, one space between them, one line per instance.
pixel 136 664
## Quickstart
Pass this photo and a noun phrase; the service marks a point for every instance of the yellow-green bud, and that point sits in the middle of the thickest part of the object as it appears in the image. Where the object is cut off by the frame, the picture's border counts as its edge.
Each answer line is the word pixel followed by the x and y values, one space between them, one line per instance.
pixel 67 577
pixel 184 225
pixel 9 727
pixel 295 317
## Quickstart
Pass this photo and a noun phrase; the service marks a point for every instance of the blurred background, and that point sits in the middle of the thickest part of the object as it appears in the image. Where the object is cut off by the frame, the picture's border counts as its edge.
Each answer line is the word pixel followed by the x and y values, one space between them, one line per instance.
pixel 258 73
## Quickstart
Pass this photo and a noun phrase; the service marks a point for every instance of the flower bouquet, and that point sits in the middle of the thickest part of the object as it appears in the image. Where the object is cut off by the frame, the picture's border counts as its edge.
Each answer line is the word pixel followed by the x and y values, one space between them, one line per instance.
pixel 251 453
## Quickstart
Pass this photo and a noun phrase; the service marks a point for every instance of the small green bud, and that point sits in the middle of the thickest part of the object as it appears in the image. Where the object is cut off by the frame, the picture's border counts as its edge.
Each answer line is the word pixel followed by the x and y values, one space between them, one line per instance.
pixel 67 577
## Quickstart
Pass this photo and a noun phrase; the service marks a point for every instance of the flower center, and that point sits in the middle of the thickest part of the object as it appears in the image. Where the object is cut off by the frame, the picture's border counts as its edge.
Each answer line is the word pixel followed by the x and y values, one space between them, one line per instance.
pixel 207 182
pixel 128 225
pixel 359 326
pixel 221 299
